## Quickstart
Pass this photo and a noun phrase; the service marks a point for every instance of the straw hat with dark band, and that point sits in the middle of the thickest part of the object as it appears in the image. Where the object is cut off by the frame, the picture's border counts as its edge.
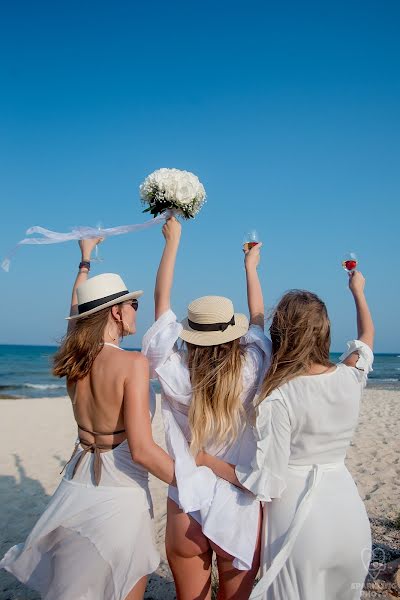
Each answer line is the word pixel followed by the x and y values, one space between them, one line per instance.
pixel 211 321
pixel 101 292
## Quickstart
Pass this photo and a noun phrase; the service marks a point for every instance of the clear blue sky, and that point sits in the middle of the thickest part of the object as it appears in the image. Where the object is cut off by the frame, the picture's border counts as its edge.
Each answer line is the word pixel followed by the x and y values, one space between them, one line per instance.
pixel 287 111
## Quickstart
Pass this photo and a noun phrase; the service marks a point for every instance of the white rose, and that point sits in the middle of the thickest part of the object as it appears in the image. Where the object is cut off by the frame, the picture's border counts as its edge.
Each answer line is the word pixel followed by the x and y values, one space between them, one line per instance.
pixel 186 192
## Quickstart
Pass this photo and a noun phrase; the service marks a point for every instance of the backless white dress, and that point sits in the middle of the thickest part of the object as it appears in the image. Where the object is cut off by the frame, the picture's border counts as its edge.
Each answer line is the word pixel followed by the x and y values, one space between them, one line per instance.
pixel 93 542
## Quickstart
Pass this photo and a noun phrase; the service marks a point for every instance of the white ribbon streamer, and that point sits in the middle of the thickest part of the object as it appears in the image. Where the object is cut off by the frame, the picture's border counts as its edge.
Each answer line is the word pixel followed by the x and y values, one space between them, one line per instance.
pixel 79 233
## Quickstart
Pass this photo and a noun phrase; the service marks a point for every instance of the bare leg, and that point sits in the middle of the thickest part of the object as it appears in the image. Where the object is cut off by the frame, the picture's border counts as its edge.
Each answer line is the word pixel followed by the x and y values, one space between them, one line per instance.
pixel 233 583
pixel 138 591
pixel 189 555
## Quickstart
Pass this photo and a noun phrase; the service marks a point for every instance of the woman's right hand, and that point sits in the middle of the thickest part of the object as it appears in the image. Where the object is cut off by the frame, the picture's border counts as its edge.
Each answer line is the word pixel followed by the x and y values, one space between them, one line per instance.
pixel 252 256
pixel 87 246
pixel 172 230
pixel 356 282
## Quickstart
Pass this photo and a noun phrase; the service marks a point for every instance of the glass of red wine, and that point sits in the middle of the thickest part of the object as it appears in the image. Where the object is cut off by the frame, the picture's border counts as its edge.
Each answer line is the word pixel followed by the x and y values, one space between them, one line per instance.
pixel 350 262
pixel 250 239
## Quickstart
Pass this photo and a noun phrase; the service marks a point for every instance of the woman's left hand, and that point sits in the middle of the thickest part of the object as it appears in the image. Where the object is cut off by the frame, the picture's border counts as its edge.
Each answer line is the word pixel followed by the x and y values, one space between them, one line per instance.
pixel 87 246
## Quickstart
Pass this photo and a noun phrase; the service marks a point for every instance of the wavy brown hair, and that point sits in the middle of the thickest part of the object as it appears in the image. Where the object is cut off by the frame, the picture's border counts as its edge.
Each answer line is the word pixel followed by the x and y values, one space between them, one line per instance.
pixel 216 413
pixel 81 345
pixel 300 336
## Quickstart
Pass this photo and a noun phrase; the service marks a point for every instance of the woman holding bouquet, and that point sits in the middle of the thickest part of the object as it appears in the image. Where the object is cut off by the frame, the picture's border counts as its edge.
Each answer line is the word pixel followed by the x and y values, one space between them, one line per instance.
pixel 208 385
pixel 317 540
pixel 95 539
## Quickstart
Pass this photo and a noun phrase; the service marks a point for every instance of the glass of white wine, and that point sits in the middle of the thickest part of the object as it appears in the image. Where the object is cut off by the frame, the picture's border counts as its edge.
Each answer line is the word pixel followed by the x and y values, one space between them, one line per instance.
pixel 97 258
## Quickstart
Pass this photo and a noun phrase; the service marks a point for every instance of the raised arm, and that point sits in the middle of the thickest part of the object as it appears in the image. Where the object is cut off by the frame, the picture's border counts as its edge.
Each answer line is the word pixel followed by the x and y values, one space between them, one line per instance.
pixel 255 298
pixel 365 325
pixel 137 421
pixel 86 247
pixel 165 274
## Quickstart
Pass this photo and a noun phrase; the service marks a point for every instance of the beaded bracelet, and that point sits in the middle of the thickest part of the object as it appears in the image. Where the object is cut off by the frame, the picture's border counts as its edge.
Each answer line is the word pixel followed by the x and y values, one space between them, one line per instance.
pixel 84 264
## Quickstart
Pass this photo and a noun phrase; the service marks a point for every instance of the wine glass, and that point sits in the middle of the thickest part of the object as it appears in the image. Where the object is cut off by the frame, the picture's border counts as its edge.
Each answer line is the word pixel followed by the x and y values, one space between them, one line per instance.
pixel 97 258
pixel 350 262
pixel 250 239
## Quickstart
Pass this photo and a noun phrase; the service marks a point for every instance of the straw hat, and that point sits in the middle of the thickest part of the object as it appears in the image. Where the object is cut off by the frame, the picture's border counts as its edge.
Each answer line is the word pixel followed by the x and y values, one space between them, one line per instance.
pixel 211 321
pixel 101 292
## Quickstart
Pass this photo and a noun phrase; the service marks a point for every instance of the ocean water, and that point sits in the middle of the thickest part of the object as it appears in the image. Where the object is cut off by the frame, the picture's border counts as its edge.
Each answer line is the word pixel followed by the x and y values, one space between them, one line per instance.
pixel 25 372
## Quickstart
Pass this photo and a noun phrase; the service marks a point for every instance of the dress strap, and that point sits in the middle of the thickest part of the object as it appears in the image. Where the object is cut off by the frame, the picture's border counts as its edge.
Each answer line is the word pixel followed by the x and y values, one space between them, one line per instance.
pixel 94 449
pixel 101 432
pixel 112 345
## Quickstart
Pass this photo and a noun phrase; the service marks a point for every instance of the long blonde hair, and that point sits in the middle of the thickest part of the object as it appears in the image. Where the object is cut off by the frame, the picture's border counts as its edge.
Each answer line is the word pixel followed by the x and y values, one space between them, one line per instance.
pixel 80 347
pixel 216 413
pixel 300 336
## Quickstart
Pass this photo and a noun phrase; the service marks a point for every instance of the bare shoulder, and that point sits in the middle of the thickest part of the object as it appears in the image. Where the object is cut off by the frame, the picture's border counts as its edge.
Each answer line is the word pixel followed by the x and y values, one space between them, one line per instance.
pixel 137 371
pixel 136 361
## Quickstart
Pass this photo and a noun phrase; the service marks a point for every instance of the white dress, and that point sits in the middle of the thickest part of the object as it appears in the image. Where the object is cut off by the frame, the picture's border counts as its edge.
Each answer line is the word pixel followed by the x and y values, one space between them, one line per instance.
pixel 228 516
pixel 92 542
pixel 316 536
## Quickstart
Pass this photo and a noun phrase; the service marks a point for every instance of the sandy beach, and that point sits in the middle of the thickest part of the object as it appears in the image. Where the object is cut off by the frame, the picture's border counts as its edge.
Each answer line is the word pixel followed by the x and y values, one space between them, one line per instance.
pixel 37 437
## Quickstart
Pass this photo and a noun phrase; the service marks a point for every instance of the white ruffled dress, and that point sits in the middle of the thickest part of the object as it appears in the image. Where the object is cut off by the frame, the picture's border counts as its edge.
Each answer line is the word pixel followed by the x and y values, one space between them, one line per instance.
pixel 92 542
pixel 228 515
pixel 316 538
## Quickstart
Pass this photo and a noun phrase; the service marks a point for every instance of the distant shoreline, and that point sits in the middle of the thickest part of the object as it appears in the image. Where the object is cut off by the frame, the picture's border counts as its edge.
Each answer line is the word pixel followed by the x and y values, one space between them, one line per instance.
pixel 26 372
pixel 373 385
pixel 53 346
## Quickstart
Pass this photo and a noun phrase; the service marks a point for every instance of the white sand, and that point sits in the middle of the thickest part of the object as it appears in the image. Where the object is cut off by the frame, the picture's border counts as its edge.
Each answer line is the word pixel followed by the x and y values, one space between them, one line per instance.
pixel 37 437
pixel 374 455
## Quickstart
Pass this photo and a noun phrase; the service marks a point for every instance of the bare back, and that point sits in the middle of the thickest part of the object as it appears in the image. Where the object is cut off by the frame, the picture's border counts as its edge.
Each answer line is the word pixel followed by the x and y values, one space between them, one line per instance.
pixel 98 398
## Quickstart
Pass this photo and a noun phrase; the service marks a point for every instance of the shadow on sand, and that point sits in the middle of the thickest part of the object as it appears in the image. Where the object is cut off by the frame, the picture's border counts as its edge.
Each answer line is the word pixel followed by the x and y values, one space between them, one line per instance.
pixel 23 500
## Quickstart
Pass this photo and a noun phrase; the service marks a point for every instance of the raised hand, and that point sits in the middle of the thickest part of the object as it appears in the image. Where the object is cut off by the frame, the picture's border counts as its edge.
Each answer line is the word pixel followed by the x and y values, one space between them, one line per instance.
pixel 356 282
pixel 88 245
pixel 252 256
pixel 172 230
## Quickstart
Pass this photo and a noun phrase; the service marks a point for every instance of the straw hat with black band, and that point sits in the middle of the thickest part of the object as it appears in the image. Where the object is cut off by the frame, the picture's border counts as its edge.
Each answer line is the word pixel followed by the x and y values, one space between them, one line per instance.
pixel 101 292
pixel 211 321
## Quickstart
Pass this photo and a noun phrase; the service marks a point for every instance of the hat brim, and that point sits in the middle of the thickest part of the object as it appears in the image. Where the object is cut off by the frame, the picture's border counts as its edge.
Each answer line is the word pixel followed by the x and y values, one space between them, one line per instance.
pixel 119 300
pixel 213 338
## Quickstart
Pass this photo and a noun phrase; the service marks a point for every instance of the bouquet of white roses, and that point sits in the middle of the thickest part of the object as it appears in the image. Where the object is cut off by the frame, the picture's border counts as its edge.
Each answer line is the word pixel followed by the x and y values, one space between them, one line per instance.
pixel 172 189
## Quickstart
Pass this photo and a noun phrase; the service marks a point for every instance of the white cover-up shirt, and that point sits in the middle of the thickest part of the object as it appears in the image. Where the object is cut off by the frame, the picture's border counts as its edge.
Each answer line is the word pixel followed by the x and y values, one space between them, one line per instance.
pixel 228 515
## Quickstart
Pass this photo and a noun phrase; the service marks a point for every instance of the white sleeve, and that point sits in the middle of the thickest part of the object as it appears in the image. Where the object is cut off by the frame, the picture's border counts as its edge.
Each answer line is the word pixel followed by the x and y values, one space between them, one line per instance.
pixel 159 341
pixel 365 360
pixel 196 485
pixel 264 474
pixel 258 350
